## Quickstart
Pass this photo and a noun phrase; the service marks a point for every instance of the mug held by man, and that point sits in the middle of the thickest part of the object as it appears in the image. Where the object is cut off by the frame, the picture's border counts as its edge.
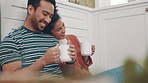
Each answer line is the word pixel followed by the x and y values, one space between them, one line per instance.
pixel 64 57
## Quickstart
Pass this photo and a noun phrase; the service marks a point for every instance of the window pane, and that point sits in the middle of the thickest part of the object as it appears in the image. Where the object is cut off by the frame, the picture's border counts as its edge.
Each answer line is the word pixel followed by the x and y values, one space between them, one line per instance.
pixel 115 2
pixel 87 3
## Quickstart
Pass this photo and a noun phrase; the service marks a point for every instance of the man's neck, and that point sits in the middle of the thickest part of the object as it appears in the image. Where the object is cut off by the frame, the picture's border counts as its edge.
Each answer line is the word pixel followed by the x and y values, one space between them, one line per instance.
pixel 28 24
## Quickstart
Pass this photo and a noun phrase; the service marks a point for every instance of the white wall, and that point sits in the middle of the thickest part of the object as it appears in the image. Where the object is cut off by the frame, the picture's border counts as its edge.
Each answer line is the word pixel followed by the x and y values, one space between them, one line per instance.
pixel 0 20
pixel 12 16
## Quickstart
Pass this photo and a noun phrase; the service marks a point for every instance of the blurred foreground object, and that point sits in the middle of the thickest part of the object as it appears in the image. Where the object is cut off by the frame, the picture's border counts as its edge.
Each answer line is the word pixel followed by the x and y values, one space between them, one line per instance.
pixel 130 74
pixel 122 74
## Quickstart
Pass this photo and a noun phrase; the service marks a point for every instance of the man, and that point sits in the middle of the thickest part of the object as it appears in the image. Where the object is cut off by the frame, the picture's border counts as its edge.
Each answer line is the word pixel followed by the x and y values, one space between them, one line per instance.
pixel 28 52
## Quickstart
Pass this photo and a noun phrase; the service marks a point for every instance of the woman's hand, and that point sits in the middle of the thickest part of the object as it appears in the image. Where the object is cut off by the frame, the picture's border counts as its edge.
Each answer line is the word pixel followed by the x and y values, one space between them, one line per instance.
pixel 72 52
pixel 92 49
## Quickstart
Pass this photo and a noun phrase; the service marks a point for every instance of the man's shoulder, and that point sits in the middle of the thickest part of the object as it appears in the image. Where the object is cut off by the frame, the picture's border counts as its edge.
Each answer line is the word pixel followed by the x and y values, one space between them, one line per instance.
pixel 16 32
pixel 14 35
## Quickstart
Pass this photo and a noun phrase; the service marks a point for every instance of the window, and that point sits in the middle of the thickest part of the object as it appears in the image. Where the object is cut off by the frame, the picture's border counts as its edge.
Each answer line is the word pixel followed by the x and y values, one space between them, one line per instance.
pixel 115 2
pixel 87 3
pixel 98 3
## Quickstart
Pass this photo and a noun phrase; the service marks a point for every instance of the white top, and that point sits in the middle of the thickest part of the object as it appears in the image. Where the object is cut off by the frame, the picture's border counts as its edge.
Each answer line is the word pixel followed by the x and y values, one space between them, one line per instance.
pixel 63 41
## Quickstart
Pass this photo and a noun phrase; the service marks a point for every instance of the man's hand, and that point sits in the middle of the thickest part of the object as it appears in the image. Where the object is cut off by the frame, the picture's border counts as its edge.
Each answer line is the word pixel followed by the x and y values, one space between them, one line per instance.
pixel 51 55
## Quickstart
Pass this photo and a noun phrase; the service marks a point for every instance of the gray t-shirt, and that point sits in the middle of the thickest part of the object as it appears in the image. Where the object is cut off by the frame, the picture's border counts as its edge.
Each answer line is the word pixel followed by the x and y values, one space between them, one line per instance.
pixel 27 46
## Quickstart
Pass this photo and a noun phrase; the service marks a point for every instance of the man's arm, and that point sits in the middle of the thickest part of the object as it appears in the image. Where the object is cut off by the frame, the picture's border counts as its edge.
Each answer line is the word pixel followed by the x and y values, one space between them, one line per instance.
pixel 14 69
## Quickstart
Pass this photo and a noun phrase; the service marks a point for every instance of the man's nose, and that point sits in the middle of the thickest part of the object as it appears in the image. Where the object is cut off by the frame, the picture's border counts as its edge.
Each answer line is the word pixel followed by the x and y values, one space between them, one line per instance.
pixel 47 19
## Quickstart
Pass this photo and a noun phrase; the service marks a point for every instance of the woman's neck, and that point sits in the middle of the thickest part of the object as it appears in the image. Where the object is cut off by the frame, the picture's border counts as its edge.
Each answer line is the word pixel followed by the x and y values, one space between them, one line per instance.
pixel 63 41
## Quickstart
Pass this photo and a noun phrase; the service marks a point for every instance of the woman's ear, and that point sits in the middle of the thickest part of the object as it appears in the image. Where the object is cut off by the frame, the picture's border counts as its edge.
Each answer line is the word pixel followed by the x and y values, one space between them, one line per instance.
pixel 30 9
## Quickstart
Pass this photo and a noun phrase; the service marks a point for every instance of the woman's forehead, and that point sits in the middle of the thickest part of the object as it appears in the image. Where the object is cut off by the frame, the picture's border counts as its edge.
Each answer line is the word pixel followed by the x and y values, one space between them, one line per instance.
pixel 59 23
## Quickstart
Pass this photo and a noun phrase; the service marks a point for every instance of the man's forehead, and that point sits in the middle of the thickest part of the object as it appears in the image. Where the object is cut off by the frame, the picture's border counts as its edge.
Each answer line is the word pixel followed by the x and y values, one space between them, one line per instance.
pixel 48 9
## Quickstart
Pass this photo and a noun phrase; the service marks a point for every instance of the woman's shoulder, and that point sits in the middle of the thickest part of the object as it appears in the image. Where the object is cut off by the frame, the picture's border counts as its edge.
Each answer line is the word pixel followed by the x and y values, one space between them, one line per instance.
pixel 71 36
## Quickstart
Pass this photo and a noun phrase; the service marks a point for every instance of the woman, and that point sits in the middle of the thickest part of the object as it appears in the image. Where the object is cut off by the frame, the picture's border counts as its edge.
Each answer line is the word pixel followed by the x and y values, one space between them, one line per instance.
pixel 80 67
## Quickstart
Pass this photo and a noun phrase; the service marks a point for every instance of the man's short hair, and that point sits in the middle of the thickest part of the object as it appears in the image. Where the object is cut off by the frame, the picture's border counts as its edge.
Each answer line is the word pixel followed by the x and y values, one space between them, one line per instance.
pixel 36 3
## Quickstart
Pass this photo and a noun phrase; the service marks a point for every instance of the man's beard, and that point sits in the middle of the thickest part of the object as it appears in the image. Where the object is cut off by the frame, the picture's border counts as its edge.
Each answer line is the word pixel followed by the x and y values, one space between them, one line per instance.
pixel 35 26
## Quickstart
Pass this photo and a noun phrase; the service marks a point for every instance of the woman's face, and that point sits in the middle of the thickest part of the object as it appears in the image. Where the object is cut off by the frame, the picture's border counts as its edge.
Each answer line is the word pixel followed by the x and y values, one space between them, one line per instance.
pixel 59 30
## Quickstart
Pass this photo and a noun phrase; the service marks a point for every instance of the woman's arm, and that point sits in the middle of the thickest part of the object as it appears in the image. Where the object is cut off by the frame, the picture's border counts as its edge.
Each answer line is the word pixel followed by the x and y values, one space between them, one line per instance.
pixel 87 59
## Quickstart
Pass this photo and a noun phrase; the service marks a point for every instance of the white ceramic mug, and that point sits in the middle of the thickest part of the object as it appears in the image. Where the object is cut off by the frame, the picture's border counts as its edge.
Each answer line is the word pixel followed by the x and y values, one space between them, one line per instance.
pixel 85 49
pixel 64 57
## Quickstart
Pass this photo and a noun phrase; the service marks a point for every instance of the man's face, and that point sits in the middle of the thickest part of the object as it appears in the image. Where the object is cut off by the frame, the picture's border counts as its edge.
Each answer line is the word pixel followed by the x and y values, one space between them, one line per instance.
pixel 59 30
pixel 42 15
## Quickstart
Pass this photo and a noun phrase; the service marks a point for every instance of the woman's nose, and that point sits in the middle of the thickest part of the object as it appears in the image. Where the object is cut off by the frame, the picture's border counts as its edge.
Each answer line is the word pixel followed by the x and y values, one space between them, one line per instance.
pixel 63 30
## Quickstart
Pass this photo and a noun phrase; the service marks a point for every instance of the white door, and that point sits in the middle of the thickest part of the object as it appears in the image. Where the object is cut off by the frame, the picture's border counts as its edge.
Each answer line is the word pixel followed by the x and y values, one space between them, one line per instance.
pixel 122 35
